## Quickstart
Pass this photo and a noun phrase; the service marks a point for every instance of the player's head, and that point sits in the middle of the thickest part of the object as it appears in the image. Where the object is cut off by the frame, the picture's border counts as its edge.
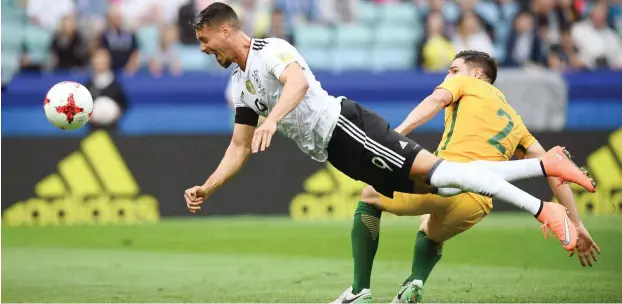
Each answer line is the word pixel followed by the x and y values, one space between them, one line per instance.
pixel 215 26
pixel 474 63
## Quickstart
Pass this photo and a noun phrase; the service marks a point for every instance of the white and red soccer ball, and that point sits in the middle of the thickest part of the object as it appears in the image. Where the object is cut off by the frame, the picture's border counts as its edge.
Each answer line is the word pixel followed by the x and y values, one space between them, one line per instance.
pixel 68 105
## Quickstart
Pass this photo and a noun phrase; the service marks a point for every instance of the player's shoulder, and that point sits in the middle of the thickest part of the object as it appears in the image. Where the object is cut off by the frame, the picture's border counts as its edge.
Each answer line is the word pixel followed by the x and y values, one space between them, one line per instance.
pixel 236 75
pixel 270 46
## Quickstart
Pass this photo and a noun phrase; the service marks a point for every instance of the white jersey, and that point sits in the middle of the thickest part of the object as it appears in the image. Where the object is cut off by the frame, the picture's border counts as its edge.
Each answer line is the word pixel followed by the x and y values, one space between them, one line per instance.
pixel 312 122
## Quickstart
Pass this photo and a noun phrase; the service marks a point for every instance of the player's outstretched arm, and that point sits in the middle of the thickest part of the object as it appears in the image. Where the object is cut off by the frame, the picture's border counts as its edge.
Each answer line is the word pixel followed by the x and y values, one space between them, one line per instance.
pixel 428 108
pixel 235 157
pixel 586 247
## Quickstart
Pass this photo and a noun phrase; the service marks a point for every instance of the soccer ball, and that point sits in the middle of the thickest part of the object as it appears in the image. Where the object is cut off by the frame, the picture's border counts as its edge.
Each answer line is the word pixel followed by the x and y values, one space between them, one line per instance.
pixel 68 105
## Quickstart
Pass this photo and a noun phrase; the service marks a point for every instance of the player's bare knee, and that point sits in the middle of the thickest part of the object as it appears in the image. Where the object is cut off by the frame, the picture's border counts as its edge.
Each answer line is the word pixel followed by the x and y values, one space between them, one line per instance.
pixel 423 222
pixel 370 196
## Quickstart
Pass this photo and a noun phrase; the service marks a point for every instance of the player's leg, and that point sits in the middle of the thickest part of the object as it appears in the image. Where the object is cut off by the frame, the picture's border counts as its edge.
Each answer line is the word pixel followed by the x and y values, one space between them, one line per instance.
pixel 552 163
pixel 366 229
pixel 472 177
pixel 463 212
pixel 364 246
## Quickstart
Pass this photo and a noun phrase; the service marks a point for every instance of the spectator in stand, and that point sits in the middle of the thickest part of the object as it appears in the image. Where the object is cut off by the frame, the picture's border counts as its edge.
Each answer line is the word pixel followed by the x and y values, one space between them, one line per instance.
pixel 278 28
pixel 599 46
pixel 337 12
pixel 468 6
pixel 548 22
pixel 563 57
pixel 524 46
pixel 567 13
pixel 120 43
pixel 167 55
pixel 298 11
pixel 91 16
pixel 255 17
pixel 435 52
pixel 110 101
pixel 435 6
pixel 48 13
pixel 471 36
pixel 138 13
pixel 185 16
pixel 68 48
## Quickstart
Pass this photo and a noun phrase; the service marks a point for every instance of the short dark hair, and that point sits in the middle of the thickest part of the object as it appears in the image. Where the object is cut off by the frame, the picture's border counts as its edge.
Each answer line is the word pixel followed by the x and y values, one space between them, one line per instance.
pixel 215 14
pixel 482 60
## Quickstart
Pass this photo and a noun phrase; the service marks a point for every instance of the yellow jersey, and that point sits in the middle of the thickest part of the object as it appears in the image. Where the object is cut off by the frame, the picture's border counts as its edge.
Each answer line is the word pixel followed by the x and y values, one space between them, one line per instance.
pixel 480 124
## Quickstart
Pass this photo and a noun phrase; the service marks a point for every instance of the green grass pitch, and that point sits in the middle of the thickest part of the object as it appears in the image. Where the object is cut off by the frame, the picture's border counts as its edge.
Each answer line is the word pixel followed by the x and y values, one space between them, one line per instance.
pixel 247 259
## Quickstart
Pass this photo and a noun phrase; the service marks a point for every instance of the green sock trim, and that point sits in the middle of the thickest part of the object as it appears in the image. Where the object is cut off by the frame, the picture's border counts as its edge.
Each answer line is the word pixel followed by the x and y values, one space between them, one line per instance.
pixel 365 237
pixel 426 256
pixel 363 208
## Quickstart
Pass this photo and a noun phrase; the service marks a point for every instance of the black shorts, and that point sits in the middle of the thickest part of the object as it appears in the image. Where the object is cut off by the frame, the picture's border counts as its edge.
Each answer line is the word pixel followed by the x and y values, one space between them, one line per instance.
pixel 366 148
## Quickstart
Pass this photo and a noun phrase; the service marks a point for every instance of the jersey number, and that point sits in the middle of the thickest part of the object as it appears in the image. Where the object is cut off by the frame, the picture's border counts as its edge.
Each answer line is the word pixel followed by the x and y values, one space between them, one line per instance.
pixel 260 105
pixel 495 141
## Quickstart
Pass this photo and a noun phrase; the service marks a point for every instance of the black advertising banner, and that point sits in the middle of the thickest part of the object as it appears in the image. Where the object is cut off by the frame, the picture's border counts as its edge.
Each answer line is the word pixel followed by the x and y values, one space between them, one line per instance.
pixel 110 180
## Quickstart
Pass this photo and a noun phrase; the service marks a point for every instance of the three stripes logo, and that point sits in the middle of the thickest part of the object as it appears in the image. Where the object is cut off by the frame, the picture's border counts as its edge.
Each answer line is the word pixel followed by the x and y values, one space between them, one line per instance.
pixel 606 167
pixel 258 44
pixel 92 186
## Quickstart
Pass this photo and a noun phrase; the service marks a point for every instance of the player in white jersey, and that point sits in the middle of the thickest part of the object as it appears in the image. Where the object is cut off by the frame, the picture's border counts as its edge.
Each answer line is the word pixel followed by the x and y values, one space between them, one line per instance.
pixel 274 81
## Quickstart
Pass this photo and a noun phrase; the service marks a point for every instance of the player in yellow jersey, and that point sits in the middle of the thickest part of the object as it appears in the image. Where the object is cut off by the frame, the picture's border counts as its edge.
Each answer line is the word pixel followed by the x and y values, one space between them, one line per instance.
pixel 479 126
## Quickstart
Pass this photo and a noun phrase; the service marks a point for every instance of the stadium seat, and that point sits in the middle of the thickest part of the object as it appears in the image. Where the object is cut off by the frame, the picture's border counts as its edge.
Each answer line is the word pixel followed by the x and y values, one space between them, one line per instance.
pixel 398 13
pixel 391 58
pixel 351 58
pixel 499 52
pixel 12 36
pixel 394 35
pixel 193 60
pixel 488 11
pixel 10 64
pixel 366 12
pixel 317 58
pixel 451 11
pixel 148 38
pixel 313 35
pixel 38 42
pixel 353 36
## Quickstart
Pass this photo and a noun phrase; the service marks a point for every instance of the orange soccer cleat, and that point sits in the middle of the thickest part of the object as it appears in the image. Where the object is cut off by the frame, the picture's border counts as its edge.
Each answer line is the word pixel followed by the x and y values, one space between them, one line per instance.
pixel 554 217
pixel 557 163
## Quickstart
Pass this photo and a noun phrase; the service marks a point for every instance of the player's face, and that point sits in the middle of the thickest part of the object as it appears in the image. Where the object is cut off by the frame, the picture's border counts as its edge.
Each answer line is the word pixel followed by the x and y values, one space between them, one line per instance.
pixel 214 41
pixel 460 68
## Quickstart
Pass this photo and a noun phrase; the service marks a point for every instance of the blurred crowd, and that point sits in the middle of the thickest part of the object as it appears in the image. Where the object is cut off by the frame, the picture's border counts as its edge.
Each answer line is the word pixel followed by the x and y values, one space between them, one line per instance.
pixel 129 35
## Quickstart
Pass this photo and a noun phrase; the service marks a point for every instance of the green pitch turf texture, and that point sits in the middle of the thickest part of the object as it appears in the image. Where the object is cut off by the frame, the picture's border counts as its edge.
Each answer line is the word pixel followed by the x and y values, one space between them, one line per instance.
pixel 503 259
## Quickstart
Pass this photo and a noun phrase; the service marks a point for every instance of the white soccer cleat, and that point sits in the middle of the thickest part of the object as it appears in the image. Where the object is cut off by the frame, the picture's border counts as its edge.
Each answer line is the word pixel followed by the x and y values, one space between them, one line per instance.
pixel 410 293
pixel 348 297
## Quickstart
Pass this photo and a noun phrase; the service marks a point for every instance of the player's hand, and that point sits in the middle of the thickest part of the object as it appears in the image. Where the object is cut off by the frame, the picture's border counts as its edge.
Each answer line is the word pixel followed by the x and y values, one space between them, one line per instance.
pixel 195 197
pixel 586 247
pixel 263 135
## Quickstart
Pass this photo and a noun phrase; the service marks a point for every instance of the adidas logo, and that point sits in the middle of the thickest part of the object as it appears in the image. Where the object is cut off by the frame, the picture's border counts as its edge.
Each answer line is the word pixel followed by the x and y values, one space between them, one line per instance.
pixel 403 144
pixel 605 165
pixel 92 186
pixel 329 194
